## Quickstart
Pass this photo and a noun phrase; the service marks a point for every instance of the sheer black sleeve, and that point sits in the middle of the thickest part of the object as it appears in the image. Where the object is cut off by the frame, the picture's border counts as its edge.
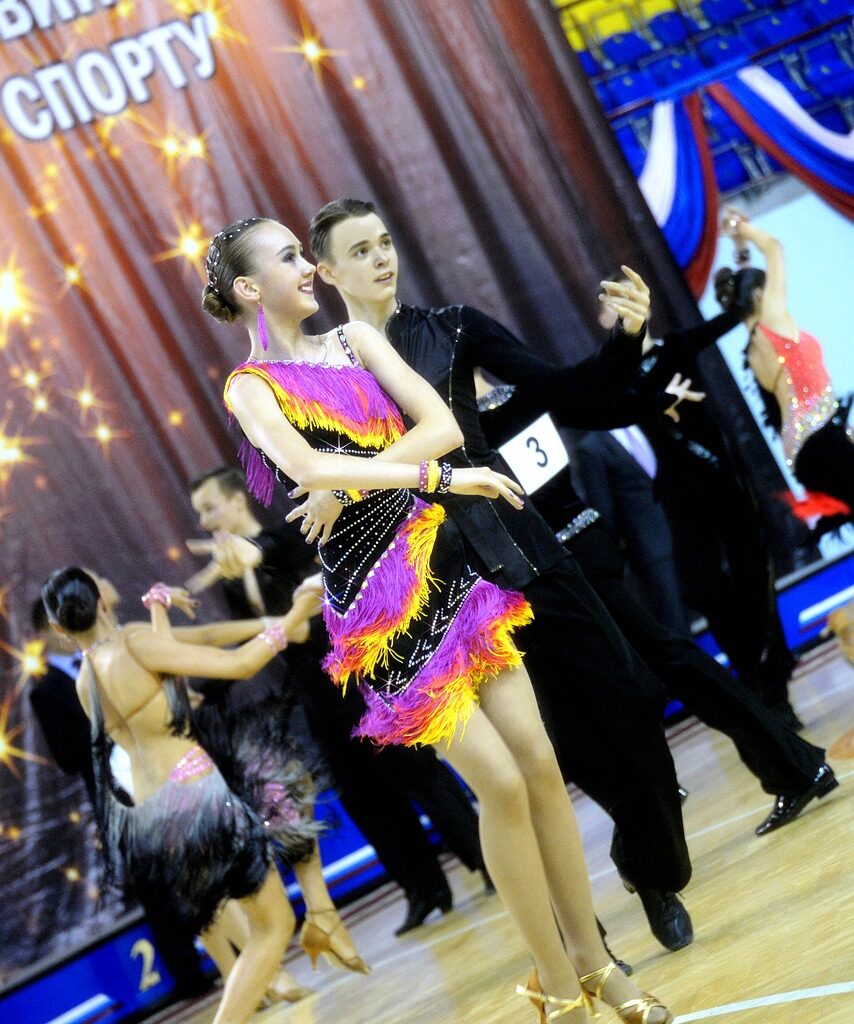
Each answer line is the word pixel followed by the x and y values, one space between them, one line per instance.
pixel 582 395
pixel 689 343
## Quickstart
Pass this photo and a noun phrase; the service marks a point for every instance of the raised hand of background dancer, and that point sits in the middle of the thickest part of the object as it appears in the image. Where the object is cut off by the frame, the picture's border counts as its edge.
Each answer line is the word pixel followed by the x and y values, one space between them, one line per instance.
pixel 231 554
pixel 319 513
pixel 680 391
pixel 733 222
pixel 629 299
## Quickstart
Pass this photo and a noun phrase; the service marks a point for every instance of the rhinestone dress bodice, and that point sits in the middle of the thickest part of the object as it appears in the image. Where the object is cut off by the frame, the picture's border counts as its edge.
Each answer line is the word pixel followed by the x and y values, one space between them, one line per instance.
pixel 810 402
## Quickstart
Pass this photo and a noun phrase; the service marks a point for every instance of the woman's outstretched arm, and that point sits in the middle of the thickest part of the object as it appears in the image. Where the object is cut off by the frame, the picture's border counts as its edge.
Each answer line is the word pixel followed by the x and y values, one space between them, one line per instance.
pixel 223 634
pixel 434 433
pixel 165 655
pixel 266 427
pixel 775 313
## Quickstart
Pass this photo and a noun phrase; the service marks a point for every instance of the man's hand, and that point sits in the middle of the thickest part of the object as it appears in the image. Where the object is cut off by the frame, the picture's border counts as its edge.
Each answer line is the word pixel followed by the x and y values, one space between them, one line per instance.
pixel 231 554
pixel 680 391
pixel 311 585
pixel 629 299
pixel 319 514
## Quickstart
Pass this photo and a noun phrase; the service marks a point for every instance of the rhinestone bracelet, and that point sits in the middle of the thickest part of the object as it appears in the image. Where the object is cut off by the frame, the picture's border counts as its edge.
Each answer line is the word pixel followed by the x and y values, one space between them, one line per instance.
pixel 158 594
pixel 445 477
pixel 275 637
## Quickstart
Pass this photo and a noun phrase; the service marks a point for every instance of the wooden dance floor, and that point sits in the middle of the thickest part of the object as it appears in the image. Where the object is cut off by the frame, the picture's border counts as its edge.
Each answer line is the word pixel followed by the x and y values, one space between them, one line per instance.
pixel 773 917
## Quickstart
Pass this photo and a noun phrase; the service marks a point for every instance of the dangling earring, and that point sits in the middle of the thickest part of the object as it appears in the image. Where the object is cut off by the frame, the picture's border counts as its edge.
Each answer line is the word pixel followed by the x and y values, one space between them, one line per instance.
pixel 262 327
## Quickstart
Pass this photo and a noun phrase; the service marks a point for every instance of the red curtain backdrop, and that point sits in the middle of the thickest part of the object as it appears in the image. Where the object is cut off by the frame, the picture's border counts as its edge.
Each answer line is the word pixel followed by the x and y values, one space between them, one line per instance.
pixel 133 132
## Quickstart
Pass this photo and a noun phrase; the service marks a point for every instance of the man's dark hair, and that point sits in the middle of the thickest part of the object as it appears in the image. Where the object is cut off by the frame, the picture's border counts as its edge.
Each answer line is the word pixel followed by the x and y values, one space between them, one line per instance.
pixel 231 480
pixel 38 616
pixel 327 217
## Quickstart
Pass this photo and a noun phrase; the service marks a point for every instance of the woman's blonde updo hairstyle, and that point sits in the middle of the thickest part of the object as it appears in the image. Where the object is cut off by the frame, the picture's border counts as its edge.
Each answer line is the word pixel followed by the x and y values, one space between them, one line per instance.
pixel 229 257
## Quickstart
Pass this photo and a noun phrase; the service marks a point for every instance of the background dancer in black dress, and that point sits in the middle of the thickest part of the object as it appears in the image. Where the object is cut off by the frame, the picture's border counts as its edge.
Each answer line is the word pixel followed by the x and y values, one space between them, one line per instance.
pixel 67 732
pixel 188 841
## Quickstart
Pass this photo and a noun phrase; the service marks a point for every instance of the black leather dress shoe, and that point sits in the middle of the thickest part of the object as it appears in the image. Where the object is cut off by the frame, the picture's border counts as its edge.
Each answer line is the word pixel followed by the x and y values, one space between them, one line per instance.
pixel 488 884
pixel 668 919
pixel 420 907
pixel 788 806
pixel 683 794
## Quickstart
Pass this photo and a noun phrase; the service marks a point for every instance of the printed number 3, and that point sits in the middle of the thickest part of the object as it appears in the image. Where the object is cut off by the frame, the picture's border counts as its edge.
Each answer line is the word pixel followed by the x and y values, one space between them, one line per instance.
pixel 149 977
pixel 542 457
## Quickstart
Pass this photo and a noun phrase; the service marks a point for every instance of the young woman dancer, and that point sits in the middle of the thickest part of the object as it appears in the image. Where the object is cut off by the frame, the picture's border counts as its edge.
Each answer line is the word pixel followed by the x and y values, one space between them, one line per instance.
pixel 788 365
pixel 188 840
pixel 409 622
pixel 263 765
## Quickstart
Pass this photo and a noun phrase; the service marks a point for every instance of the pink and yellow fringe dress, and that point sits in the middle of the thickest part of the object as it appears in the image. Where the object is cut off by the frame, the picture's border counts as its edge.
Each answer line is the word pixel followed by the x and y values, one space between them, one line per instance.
pixel 409 621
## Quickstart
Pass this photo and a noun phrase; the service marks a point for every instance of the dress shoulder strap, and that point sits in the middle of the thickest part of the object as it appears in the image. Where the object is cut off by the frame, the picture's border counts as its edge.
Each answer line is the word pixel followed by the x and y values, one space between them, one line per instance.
pixel 346 345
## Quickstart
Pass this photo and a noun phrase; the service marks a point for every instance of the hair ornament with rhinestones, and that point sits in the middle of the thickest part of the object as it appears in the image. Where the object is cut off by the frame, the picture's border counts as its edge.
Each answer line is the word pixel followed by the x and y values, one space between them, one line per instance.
pixel 229 257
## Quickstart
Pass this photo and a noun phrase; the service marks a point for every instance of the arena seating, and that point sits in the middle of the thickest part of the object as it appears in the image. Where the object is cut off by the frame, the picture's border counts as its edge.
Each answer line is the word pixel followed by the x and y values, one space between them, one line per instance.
pixel 637 52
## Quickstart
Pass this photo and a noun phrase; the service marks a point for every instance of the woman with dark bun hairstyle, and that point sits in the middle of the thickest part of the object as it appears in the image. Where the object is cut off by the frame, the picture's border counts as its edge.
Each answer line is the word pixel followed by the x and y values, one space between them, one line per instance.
pixel 788 365
pixel 423 636
pixel 188 841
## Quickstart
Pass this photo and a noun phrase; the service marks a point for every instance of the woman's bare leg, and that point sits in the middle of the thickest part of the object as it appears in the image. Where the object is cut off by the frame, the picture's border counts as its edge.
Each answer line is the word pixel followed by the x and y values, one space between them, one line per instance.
pixel 225 936
pixel 511 849
pixel 309 874
pixel 511 707
pixel 271 925
pixel 228 935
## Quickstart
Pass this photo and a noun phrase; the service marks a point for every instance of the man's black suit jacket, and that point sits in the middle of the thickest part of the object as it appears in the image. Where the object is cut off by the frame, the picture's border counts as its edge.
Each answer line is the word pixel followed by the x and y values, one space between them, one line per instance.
pixel 63 722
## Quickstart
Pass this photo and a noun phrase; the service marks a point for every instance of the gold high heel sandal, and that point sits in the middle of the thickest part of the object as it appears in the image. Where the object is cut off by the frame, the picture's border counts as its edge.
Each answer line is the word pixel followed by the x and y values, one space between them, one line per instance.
pixel 633 1011
pixel 317 940
pixel 285 989
pixel 541 1001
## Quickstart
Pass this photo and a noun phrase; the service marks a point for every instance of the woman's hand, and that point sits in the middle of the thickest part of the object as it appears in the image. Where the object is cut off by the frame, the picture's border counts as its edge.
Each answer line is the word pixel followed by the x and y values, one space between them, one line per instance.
pixel 680 391
pixel 737 226
pixel 184 600
pixel 731 221
pixel 487 483
pixel 629 299
pixel 319 513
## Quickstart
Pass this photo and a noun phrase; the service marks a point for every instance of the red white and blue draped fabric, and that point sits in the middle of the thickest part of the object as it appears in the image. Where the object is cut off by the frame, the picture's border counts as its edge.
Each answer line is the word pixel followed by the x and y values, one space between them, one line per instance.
pixel 678 183
pixel 770 117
